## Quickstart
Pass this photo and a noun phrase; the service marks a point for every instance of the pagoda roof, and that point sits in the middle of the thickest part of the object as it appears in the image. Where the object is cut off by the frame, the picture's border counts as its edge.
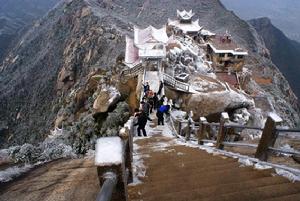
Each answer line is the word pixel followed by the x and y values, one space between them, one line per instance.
pixel 150 35
pixel 186 27
pixel 184 15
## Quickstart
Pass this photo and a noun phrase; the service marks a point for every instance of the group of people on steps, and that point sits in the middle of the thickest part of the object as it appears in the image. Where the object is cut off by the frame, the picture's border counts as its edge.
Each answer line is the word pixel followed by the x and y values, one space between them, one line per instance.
pixel 150 102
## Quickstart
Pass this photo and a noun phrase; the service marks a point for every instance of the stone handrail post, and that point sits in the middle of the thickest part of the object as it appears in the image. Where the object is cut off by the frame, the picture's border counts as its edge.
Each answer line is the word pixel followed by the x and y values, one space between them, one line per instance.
pixel 202 130
pixel 222 129
pixel 268 137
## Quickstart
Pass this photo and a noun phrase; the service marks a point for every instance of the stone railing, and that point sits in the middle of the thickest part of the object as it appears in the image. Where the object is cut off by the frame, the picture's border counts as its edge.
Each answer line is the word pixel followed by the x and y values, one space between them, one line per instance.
pixel 113 159
pixel 181 86
pixel 264 148
pixel 131 72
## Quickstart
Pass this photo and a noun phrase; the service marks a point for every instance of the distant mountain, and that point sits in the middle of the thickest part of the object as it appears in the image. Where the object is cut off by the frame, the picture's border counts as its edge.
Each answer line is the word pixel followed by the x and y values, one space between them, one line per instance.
pixel 285 53
pixel 284 13
pixel 16 16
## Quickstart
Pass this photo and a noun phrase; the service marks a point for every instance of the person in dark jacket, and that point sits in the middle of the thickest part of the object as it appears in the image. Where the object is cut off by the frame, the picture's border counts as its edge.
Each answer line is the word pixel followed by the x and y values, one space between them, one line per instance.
pixel 160 117
pixel 145 107
pixel 151 104
pixel 161 85
pixel 146 87
pixel 161 101
pixel 142 121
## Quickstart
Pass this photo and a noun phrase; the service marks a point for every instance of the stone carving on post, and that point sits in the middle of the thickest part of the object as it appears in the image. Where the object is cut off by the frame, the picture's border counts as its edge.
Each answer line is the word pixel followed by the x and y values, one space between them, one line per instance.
pixel 222 133
pixel 268 137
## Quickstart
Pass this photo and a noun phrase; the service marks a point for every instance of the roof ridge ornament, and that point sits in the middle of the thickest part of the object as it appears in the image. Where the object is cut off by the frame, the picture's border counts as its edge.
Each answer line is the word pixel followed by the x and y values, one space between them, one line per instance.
pixel 185 15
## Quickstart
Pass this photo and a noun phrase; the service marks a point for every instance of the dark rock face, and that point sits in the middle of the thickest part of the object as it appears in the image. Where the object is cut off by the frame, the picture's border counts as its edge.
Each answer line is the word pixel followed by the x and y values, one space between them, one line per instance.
pixel 16 16
pixel 45 80
pixel 284 52
pixel 32 89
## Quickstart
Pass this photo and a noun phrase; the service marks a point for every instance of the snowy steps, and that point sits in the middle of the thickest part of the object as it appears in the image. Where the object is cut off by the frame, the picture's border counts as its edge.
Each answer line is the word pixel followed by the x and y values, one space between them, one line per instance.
pixel 59 180
pixel 180 173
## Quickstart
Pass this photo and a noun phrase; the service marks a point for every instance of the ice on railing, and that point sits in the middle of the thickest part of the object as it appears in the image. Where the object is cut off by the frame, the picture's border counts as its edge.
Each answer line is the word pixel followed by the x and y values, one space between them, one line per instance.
pixel 109 151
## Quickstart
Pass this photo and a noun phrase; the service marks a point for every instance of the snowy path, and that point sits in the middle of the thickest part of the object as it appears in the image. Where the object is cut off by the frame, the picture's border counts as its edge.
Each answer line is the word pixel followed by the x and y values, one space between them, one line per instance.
pixel 153 78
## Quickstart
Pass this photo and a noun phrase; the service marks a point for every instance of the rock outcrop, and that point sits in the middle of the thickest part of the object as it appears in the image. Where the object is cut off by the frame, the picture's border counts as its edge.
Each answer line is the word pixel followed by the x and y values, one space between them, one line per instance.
pixel 215 102
pixel 107 97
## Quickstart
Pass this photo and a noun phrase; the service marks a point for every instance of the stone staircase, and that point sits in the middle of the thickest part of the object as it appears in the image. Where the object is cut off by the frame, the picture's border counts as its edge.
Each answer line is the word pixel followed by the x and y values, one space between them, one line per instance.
pixel 175 172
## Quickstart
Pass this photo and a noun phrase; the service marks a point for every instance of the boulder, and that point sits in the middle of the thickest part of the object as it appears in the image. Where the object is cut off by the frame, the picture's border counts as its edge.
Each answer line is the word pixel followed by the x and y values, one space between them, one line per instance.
pixel 204 104
pixel 107 97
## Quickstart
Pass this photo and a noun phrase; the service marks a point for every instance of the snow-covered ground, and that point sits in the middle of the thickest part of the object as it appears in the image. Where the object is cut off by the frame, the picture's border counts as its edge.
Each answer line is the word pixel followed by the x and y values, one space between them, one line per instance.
pixel 13 172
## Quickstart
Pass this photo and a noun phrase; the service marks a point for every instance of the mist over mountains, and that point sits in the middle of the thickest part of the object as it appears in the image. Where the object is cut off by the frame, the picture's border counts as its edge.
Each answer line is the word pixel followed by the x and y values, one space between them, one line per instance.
pixel 284 51
pixel 284 14
pixel 18 15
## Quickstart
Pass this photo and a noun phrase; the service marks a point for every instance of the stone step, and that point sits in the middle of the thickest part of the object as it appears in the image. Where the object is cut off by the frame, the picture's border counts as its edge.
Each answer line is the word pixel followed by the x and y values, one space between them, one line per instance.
pixel 203 192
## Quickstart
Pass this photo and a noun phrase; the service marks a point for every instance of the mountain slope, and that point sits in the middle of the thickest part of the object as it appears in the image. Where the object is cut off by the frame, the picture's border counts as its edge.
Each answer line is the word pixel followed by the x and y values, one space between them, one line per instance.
pixel 284 52
pixel 17 15
pixel 284 14
pixel 46 77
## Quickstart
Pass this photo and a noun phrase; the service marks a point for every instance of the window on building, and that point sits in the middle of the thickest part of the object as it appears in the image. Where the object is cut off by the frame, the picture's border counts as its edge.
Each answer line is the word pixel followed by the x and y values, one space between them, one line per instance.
pixel 222 55
pixel 240 56
pixel 230 55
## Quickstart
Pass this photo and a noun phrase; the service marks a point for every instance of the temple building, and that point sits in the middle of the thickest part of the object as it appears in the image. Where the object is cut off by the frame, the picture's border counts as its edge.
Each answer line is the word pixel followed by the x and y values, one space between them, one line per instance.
pixel 184 24
pixel 225 53
pixel 148 44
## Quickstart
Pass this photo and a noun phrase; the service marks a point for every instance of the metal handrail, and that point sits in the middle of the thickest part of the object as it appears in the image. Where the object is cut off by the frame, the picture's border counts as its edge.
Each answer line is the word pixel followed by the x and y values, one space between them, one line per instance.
pixel 108 187
pixel 284 151
pixel 288 130
pixel 238 144
pixel 242 127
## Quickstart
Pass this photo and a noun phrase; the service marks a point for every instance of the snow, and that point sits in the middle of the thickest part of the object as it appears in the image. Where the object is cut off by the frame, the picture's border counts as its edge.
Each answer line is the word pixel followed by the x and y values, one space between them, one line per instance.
pixel 131 54
pixel 282 170
pixel 142 36
pixel 109 151
pixel 138 167
pixel 152 78
pixel 178 114
pixel 12 172
pixel 113 93
pixel 292 177
pixel 90 154
pixel 4 155
pixel 275 117
pixel 185 14
pixel 224 116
